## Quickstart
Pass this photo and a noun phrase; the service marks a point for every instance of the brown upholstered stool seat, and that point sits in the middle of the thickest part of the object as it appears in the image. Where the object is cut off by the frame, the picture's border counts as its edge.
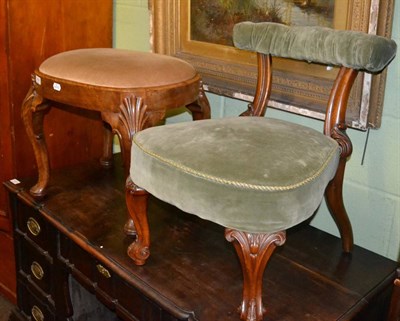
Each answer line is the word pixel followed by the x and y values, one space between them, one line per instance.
pixel 116 68
pixel 132 90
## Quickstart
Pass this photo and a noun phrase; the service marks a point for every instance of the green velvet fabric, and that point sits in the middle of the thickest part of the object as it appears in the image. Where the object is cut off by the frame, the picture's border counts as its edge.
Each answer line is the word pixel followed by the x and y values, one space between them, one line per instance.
pixel 248 173
pixel 356 50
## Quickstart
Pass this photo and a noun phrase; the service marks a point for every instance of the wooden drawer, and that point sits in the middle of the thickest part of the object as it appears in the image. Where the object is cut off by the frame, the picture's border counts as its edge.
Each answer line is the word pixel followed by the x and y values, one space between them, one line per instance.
pixel 94 275
pixel 37 266
pixel 77 259
pixel 110 288
pixel 32 225
pixel 32 306
pixel 134 303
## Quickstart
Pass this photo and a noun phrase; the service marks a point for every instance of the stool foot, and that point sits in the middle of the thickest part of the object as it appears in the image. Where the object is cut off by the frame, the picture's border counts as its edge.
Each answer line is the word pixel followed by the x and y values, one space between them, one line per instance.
pixel 106 160
pixel 129 228
pixel 254 251
pixel 136 201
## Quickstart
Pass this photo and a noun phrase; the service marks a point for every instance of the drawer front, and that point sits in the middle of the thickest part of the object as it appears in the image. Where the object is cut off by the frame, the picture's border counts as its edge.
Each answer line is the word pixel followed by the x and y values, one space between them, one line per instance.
pixel 32 306
pixel 31 224
pixel 77 259
pixel 37 265
pixel 93 274
pixel 135 304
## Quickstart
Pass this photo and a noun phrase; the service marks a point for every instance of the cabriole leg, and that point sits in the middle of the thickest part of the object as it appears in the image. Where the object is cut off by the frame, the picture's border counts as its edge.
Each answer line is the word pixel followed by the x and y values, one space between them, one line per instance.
pixel 136 201
pixel 254 251
pixel 334 200
pixel 32 113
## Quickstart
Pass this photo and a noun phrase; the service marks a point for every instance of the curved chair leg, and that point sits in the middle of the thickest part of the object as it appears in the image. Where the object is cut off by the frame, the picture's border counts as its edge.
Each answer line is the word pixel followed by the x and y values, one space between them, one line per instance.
pixel 254 251
pixel 334 199
pixel 200 108
pixel 106 159
pixel 32 113
pixel 136 201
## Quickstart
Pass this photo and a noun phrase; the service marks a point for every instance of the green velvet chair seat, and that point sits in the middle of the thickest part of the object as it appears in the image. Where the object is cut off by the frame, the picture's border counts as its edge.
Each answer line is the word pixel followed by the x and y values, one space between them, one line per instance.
pixel 199 167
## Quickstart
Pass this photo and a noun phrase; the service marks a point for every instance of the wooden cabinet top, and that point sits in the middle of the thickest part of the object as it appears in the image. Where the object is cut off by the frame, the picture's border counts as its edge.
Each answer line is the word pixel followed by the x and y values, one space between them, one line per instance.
pixel 193 272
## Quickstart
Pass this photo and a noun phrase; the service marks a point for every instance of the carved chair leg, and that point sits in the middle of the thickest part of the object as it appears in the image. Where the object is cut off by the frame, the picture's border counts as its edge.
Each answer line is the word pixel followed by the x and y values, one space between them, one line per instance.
pixel 200 108
pixel 136 201
pixel 254 251
pixel 334 199
pixel 32 113
pixel 106 159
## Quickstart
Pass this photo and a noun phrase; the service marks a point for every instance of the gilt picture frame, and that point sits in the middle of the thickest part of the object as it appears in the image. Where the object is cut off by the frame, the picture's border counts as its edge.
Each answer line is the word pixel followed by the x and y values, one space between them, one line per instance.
pixel 298 87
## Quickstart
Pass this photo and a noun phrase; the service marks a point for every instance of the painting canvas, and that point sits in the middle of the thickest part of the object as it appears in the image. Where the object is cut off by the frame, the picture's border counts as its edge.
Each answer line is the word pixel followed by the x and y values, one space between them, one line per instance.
pixel 212 21
pixel 200 32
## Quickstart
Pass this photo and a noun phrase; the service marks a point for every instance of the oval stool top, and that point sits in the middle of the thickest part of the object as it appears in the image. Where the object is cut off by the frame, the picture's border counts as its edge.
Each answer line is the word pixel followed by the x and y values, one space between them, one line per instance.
pixel 117 68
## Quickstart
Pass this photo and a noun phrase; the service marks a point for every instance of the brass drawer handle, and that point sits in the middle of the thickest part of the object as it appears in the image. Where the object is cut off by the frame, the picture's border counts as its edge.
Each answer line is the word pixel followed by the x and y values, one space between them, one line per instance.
pixel 37 270
pixel 37 313
pixel 103 271
pixel 33 226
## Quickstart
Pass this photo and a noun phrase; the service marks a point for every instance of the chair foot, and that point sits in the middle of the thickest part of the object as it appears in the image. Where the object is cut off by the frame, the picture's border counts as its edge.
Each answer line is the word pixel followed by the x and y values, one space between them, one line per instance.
pixel 254 251
pixel 136 201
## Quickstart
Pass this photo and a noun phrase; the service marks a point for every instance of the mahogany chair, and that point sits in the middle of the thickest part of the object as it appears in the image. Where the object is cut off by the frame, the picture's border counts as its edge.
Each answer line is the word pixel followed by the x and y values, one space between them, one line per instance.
pixel 132 90
pixel 253 175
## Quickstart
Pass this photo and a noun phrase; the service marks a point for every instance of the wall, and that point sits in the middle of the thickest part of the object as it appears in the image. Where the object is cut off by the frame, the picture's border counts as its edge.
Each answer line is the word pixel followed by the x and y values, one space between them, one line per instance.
pixel 372 190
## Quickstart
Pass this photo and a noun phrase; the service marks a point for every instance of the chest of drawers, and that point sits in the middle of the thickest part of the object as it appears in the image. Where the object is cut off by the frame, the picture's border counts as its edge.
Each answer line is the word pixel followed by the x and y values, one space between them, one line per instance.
pixel 72 263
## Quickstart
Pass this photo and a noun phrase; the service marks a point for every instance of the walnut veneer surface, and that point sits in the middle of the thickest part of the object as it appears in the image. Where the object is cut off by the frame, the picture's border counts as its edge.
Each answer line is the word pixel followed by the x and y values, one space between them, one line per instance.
pixel 193 273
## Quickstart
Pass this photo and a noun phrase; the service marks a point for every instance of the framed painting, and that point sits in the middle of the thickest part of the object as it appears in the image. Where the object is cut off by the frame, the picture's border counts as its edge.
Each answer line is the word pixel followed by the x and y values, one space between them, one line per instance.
pixel 200 32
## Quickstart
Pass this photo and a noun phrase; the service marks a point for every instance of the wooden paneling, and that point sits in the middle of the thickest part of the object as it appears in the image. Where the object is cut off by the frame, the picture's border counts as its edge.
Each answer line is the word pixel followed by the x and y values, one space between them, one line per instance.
pixel 30 32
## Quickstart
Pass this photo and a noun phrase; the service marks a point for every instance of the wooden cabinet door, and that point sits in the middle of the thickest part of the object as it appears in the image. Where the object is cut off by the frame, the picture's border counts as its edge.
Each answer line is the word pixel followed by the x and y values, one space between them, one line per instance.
pixel 30 32
pixel 6 159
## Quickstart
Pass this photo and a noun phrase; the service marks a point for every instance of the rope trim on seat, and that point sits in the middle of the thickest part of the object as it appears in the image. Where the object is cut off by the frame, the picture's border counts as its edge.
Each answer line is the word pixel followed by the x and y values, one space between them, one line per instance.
pixel 262 188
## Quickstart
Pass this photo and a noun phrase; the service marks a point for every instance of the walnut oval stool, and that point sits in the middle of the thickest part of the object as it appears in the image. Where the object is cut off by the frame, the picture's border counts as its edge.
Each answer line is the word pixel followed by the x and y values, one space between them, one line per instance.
pixel 131 90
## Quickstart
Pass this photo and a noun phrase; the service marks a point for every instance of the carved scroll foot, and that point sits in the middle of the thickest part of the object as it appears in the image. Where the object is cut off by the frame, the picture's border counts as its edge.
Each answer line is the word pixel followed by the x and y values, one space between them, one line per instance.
pixel 200 108
pixel 136 201
pixel 254 251
pixel 32 112
pixel 334 200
